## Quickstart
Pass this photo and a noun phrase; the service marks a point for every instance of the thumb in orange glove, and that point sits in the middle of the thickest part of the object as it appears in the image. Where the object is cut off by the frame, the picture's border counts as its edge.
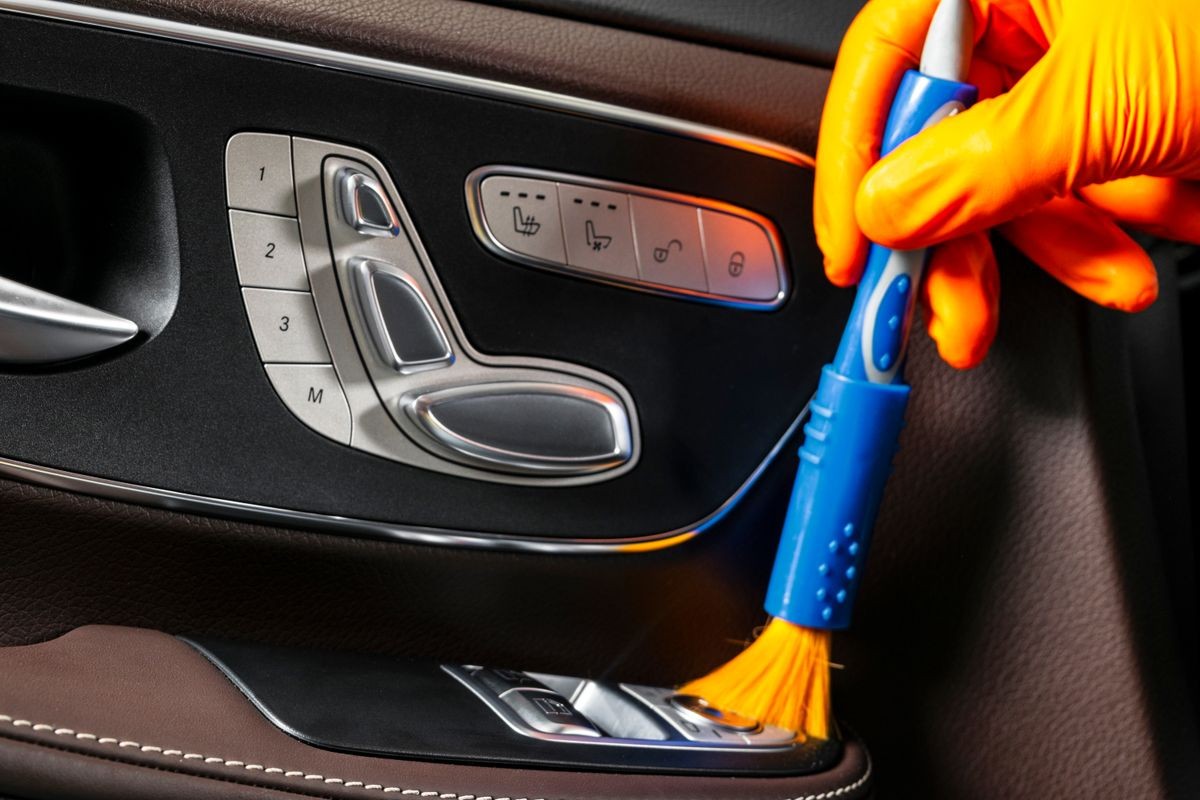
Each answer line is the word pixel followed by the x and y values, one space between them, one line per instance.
pixel 1092 118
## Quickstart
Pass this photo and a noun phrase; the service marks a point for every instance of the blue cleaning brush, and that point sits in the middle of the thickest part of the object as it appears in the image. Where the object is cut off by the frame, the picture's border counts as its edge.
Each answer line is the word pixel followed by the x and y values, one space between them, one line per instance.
pixel 849 442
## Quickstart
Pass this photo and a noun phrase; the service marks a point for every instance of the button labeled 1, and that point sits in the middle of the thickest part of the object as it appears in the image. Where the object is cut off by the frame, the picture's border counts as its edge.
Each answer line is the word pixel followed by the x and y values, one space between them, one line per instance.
pixel 740 259
pixel 313 394
pixel 258 173
pixel 597 230
pixel 522 215
pixel 285 326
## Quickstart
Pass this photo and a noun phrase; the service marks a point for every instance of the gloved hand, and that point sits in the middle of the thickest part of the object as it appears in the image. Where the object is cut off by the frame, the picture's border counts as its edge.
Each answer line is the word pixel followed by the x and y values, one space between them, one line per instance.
pixel 1093 119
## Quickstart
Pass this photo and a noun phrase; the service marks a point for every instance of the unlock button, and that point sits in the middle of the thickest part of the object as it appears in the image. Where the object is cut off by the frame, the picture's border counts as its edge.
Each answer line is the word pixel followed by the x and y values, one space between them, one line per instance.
pixel 668 243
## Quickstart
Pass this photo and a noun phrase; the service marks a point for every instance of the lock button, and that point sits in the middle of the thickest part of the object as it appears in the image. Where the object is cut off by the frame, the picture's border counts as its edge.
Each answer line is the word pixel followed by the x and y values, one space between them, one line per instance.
pixel 740 260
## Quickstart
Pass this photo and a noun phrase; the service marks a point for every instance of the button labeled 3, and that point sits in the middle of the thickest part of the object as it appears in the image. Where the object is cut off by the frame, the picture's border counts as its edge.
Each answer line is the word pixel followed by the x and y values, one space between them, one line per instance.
pixel 522 215
pixel 597 230
pixel 285 326
pixel 312 392
pixel 668 243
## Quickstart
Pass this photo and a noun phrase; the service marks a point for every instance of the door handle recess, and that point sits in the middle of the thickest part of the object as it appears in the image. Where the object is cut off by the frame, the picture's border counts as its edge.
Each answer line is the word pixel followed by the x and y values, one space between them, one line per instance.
pixel 37 327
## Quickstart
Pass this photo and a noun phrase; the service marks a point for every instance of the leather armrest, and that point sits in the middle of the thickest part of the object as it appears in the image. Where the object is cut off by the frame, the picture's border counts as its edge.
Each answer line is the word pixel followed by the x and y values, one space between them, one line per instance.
pixel 107 711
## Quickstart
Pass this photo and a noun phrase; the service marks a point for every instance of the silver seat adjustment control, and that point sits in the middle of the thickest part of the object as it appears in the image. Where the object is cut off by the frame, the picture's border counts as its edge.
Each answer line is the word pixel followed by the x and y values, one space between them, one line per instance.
pixel 364 205
pixel 405 333
pixel 527 427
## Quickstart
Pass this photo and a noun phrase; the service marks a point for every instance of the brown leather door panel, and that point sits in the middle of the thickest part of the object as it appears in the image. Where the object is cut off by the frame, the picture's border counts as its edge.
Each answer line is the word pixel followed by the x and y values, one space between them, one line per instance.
pixel 1015 637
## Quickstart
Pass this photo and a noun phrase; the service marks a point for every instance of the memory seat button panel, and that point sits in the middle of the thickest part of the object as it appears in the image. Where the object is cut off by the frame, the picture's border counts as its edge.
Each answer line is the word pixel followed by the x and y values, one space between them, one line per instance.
pixel 642 238
pixel 361 343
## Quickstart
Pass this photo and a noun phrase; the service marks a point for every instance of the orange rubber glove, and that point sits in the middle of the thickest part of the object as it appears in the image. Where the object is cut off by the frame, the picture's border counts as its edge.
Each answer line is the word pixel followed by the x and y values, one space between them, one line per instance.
pixel 1091 117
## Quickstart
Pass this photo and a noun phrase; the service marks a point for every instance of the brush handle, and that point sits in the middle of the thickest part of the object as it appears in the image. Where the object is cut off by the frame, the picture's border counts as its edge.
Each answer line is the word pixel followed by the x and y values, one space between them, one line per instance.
pixel 858 410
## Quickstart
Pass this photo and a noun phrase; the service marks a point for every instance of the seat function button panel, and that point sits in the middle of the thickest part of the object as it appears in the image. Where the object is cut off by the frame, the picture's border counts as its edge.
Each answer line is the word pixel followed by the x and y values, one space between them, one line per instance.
pixel 361 343
pixel 643 238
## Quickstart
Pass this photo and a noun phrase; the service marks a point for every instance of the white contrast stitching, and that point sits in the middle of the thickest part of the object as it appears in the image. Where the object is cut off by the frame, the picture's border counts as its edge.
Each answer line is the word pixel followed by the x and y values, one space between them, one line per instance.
pixel 155 750
pixel 847 789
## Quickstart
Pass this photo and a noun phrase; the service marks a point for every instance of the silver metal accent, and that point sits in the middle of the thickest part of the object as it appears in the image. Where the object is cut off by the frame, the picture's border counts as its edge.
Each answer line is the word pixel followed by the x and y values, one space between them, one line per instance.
pixel 733 744
pixel 362 272
pixel 37 327
pixel 350 184
pixel 691 723
pixel 482 229
pixel 351 526
pixel 406 73
pixel 464 84
pixel 700 710
pixel 423 409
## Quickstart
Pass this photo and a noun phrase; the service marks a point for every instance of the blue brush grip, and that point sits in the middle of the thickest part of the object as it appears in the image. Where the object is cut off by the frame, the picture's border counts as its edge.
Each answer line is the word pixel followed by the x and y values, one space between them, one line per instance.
pixel 857 412
pixel 849 442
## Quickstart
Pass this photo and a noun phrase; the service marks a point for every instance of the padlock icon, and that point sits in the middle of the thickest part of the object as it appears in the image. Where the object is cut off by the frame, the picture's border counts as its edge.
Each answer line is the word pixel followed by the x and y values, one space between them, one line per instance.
pixel 737 263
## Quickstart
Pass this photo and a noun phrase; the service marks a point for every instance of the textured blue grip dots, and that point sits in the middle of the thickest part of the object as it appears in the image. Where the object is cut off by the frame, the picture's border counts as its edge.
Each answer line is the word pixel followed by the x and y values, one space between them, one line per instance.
pixel 849 444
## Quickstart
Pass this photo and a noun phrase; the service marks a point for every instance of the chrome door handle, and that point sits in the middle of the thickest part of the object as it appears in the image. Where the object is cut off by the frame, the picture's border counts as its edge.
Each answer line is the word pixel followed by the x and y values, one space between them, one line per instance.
pixel 37 327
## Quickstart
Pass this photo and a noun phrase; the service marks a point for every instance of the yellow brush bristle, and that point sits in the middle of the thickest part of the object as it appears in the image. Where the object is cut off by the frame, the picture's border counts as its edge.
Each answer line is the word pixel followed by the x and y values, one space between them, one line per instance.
pixel 781 679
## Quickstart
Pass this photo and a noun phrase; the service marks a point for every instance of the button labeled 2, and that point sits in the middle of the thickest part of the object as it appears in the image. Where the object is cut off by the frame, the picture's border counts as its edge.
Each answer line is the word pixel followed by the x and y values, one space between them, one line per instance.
pixel 267 251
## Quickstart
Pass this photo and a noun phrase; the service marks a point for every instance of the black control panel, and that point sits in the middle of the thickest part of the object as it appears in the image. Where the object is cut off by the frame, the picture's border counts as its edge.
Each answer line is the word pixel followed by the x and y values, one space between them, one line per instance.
pixel 188 412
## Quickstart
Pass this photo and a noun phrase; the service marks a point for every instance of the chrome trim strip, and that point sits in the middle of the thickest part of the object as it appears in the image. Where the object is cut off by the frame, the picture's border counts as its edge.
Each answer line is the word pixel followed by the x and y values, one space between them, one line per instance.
pixel 270 515
pixel 483 231
pixel 432 78
pixel 408 73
